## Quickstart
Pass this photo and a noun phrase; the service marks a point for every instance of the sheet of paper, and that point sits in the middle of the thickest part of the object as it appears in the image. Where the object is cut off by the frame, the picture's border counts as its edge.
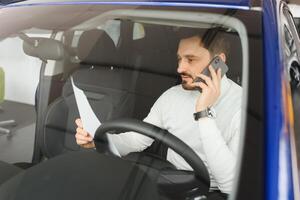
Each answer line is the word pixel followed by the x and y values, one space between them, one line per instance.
pixel 89 120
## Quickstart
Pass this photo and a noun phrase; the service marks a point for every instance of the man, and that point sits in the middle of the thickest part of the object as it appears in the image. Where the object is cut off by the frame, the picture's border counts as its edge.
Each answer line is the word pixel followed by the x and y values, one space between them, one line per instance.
pixel 215 137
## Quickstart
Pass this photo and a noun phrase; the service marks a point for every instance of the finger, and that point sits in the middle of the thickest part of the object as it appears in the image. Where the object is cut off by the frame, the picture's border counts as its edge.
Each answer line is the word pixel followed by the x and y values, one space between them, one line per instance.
pixel 88 145
pixel 81 142
pixel 219 73
pixel 83 137
pixel 80 137
pixel 82 132
pixel 208 81
pixel 201 85
pixel 78 122
pixel 216 76
pixel 213 73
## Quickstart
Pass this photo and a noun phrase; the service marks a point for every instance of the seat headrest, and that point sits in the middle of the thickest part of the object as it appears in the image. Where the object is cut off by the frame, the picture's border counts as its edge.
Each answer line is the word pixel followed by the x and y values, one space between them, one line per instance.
pixel 96 47
pixel 155 55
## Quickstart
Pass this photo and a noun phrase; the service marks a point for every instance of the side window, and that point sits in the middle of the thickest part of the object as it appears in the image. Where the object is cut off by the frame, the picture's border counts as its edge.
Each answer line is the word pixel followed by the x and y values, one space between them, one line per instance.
pixel 112 28
pixel 138 31
pixel 291 44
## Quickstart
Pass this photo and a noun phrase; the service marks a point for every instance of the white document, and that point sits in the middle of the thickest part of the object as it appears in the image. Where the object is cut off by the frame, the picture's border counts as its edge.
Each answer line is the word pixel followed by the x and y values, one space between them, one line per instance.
pixel 89 120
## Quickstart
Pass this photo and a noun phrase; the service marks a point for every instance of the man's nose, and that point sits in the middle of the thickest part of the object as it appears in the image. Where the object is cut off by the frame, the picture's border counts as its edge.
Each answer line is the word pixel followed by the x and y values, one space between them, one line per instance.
pixel 181 67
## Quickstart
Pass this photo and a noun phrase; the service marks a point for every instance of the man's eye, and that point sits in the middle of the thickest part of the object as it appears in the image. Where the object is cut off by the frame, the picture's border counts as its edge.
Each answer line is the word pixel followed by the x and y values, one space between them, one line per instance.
pixel 190 60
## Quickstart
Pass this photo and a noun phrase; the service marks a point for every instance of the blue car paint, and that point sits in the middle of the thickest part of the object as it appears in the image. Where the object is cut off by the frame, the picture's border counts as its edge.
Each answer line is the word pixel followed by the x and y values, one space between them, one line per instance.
pixel 290 186
pixel 274 111
pixel 272 97
pixel 142 3
pixel 221 2
pixel 240 3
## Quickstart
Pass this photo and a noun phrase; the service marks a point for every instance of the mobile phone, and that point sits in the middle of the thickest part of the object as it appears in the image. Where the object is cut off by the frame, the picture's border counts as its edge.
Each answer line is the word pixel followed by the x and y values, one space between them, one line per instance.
pixel 216 63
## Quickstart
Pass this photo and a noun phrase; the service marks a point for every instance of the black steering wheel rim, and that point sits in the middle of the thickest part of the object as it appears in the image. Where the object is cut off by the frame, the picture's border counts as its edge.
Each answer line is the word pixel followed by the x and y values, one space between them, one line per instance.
pixel 125 125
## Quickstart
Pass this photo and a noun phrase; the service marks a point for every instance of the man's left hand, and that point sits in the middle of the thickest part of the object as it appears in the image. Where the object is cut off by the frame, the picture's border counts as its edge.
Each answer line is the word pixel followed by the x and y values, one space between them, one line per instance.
pixel 211 89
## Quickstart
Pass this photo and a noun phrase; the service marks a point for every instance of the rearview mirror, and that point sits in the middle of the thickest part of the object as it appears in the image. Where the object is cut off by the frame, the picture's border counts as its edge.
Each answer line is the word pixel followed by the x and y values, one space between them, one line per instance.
pixel 42 48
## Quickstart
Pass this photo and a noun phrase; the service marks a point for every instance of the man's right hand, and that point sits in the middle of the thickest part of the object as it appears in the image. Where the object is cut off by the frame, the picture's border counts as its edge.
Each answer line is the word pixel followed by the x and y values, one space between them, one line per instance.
pixel 83 138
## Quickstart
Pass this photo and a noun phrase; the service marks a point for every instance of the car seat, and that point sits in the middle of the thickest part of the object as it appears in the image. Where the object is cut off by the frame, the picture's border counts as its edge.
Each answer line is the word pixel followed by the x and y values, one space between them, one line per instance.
pixel 117 84
pixel 95 50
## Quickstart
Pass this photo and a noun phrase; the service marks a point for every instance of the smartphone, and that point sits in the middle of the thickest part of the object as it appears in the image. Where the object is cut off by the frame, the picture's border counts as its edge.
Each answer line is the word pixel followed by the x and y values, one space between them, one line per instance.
pixel 216 63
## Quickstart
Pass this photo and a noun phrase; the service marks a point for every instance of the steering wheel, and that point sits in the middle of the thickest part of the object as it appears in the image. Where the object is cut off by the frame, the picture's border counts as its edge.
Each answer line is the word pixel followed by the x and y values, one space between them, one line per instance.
pixel 146 129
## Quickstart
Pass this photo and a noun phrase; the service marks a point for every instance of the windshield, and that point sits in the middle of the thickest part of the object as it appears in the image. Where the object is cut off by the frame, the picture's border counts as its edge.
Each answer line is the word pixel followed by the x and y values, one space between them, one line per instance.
pixel 68 69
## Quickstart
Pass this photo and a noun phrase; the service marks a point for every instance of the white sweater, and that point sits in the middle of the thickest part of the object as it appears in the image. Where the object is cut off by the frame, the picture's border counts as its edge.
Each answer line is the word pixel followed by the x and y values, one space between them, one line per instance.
pixel 214 140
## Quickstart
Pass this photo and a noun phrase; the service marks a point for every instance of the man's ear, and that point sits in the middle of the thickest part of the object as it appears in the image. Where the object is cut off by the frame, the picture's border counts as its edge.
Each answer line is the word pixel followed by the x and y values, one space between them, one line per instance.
pixel 223 57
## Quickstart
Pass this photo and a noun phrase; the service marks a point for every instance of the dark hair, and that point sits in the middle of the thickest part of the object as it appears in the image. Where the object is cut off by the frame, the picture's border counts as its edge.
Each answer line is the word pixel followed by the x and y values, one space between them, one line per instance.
pixel 212 39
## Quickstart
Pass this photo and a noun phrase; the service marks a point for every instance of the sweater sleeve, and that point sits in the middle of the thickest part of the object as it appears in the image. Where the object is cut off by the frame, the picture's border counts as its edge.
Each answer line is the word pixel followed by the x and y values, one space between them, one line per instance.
pixel 221 156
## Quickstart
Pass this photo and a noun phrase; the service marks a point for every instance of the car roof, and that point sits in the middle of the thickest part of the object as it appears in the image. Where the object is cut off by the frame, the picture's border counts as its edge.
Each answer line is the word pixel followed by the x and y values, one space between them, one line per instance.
pixel 228 3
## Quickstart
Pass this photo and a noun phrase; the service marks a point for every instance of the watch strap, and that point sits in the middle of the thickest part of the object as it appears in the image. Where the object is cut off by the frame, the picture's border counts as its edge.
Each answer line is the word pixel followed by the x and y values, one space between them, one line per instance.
pixel 204 113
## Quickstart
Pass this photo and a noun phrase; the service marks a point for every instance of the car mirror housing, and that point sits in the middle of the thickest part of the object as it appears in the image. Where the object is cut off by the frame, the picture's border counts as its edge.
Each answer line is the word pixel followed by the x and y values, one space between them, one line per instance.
pixel 42 48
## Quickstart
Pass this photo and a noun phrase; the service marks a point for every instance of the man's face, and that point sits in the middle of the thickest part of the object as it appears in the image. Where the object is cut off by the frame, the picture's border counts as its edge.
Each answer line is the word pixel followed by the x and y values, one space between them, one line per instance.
pixel 193 58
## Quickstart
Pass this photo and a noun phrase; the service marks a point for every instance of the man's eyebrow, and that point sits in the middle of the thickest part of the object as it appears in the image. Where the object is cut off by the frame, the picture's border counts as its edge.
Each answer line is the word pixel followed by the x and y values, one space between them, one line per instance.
pixel 190 56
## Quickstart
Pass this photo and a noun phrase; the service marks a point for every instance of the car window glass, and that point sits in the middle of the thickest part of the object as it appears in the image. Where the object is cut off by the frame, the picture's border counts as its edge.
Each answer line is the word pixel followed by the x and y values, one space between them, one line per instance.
pixel 138 31
pixel 112 28
pixel 124 64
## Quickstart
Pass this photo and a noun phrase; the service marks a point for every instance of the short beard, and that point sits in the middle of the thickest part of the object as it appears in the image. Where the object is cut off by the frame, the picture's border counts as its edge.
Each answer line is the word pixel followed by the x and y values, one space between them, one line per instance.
pixel 186 86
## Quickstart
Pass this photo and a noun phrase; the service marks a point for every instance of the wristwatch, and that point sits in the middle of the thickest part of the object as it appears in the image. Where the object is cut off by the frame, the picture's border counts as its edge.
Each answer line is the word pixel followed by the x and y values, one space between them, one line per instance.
pixel 208 112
